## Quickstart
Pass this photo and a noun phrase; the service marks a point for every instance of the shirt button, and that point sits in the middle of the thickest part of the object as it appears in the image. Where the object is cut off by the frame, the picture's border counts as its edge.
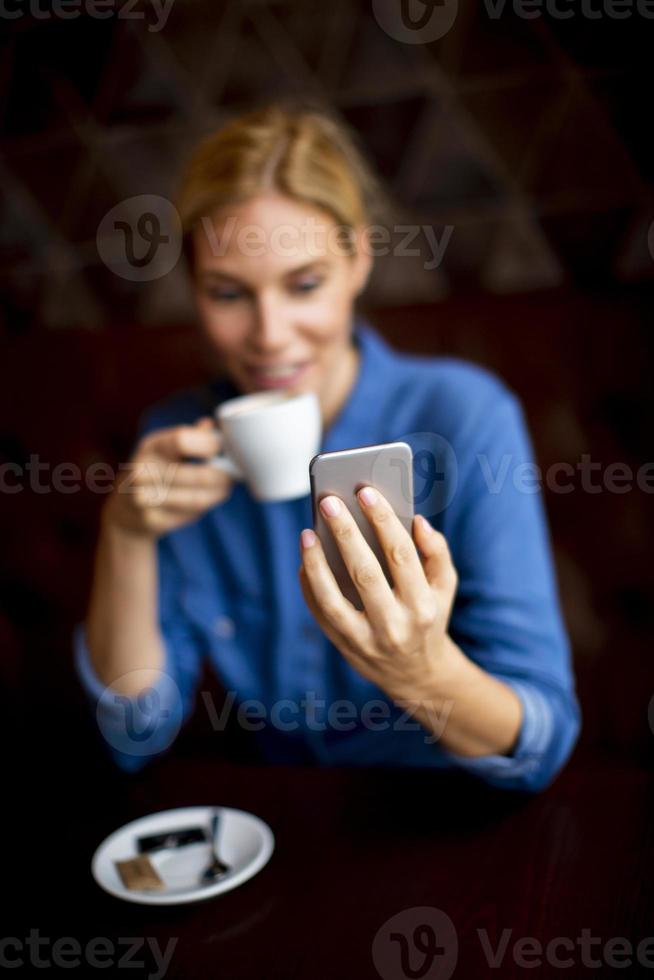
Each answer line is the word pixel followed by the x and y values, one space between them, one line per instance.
pixel 224 626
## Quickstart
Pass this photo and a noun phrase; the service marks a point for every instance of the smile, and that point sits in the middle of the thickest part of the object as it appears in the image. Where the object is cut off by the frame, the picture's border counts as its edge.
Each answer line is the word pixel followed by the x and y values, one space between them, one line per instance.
pixel 277 377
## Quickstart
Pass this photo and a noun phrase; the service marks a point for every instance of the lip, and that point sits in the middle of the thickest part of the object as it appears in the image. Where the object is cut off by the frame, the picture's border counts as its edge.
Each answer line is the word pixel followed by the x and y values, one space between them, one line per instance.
pixel 270 365
pixel 261 380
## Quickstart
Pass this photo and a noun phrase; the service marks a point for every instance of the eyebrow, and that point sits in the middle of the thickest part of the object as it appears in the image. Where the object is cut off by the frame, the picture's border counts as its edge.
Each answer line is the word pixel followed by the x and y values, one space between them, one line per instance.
pixel 314 266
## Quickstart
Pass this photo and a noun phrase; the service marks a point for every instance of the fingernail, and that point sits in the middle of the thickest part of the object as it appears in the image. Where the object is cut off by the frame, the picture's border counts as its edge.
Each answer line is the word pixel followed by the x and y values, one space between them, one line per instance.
pixel 368 496
pixel 308 538
pixel 425 523
pixel 330 506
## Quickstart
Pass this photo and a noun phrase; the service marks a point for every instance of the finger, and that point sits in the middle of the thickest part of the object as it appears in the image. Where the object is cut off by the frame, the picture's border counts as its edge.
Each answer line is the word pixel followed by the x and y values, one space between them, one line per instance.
pixel 333 605
pixel 437 562
pixel 185 498
pixel 399 550
pixel 346 648
pixel 155 472
pixel 361 562
pixel 182 440
pixel 330 631
pixel 169 518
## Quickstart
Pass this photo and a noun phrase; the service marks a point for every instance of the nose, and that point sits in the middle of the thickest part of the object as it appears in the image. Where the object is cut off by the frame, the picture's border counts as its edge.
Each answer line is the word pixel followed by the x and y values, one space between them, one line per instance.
pixel 271 329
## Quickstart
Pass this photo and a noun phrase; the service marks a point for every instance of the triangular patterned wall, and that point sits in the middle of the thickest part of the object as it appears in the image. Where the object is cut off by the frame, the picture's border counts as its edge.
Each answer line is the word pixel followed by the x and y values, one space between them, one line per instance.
pixel 523 136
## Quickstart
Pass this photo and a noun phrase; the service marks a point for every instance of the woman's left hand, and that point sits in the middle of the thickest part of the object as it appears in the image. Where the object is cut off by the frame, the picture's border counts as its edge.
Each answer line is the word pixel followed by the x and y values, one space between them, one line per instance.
pixel 399 639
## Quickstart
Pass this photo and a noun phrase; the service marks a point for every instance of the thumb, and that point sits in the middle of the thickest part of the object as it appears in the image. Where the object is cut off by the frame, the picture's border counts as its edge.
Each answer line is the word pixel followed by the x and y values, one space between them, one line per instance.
pixel 207 424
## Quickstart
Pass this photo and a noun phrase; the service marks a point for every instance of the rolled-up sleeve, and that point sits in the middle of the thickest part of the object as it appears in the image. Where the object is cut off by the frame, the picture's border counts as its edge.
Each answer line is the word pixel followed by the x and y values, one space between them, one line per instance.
pixel 136 729
pixel 538 754
pixel 507 616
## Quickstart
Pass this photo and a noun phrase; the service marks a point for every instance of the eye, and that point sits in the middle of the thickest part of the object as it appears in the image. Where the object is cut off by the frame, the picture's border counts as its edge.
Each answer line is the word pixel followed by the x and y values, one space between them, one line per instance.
pixel 223 294
pixel 306 285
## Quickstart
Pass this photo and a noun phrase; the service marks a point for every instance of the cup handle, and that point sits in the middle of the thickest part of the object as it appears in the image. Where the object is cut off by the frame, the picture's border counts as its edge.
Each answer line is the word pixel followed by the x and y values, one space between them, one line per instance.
pixel 227 465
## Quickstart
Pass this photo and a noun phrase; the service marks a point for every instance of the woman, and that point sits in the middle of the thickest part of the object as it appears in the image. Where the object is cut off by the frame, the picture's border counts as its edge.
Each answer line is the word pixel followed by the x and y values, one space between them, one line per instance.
pixel 465 662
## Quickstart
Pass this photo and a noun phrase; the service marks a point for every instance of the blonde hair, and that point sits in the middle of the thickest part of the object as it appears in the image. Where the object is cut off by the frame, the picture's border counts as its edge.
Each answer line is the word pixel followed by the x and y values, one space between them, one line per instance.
pixel 301 151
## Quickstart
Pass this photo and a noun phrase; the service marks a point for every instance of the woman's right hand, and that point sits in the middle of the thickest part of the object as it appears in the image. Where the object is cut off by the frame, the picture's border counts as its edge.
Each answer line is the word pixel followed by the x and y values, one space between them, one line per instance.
pixel 158 491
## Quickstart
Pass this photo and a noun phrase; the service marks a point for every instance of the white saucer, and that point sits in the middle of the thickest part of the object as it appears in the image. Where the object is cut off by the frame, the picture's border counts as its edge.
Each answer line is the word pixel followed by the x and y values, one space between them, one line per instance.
pixel 244 842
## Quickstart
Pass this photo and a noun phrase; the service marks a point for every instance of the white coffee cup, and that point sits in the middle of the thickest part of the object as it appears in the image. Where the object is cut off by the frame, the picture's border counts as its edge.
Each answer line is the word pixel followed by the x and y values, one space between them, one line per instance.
pixel 269 439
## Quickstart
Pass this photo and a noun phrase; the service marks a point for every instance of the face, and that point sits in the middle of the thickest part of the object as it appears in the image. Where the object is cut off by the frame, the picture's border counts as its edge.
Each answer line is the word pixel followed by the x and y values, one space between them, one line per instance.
pixel 274 294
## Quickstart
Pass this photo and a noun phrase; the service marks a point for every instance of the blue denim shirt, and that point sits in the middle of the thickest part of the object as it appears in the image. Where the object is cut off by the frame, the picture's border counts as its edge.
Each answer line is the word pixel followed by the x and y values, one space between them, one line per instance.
pixel 229 588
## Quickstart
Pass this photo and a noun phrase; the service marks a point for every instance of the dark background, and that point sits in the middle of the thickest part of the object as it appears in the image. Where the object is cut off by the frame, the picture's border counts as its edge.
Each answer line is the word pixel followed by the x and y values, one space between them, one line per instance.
pixel 531 137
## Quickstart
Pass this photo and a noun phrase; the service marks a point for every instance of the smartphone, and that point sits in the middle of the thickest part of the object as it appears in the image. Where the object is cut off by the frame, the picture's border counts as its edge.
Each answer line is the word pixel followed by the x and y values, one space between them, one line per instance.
pixel 387 467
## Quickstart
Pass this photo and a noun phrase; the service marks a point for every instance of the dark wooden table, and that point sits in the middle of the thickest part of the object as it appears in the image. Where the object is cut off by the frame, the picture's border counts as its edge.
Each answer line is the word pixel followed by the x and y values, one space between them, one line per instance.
pixel 355 848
